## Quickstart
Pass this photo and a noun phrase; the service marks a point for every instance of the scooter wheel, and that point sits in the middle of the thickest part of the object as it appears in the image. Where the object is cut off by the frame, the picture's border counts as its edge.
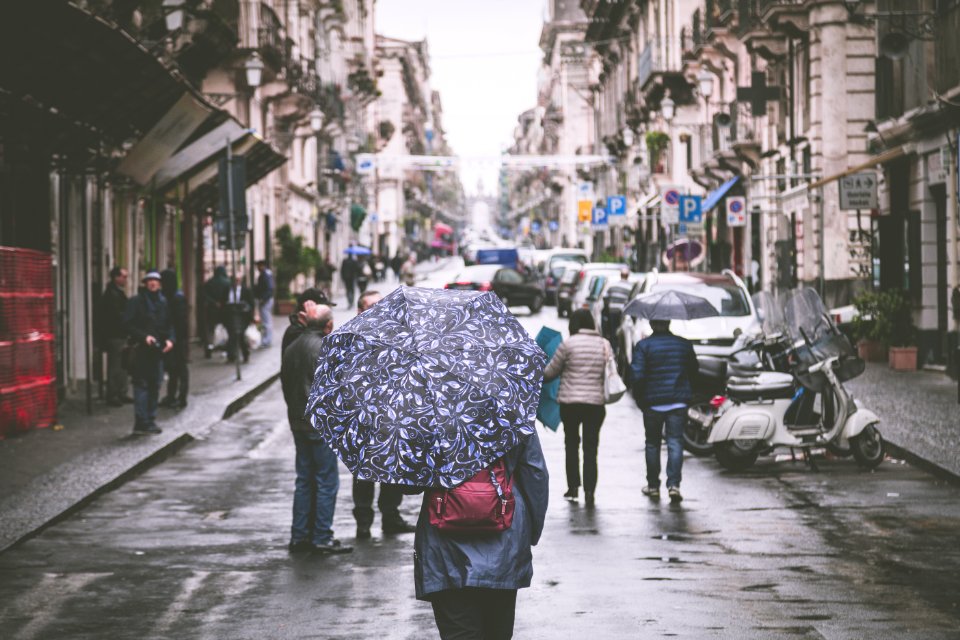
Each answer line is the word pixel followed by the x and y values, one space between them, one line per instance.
pixel 733 457
pixel 695 439
pixel 868 447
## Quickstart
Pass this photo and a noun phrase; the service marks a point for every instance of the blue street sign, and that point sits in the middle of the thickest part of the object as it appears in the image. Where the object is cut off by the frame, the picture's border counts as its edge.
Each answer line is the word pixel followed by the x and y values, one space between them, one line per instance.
pixel 553 225
pixel 617 205
pixel 535 226
pixel 682 229
pixel 599 216
pixel 690 210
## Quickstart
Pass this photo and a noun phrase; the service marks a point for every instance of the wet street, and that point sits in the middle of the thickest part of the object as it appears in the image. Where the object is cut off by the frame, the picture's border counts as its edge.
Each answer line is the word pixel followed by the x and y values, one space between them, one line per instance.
pixel 196 548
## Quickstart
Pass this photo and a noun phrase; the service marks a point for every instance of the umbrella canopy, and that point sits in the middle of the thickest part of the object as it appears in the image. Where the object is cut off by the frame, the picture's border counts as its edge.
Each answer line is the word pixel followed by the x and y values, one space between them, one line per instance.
pixel 548 411
pixel 357 251
pixel 670 305
pixel 427 387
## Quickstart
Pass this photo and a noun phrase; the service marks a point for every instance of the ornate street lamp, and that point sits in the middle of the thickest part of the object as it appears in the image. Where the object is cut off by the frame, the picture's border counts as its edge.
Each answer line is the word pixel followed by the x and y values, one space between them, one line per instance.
pixel 254 69
pixel 627 137
pixel 173 14
pixel 316 120
pixel 667 107
pixel 705 82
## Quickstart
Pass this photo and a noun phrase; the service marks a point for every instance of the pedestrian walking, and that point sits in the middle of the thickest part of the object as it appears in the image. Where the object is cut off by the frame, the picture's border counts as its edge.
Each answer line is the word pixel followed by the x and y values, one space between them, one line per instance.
pixel 264 291
pixel 315 491
pixel 407 273
pixel 298 317
pixel 349 270
pixel 663 367
pixel 579 362
pixel 324 275
pixel 364 275
pixel 396 264
pixel 147 321
pixel 112 336
pixel 471 580
pixel 176 361
pixel 391 495
pixel 240 312
pixel 455 418
pixel 215 291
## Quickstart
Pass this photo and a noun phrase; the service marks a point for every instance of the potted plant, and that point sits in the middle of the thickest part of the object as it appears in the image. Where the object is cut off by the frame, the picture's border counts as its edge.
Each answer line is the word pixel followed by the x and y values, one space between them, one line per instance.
pixel 885 323
pixel 657 141
pixel 292 260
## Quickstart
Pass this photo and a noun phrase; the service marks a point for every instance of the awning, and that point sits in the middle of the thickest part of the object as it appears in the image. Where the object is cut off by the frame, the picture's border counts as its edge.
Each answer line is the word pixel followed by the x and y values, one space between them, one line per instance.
pixel 61 59
pixel 883 158
pixel 717 195
pixel 192 171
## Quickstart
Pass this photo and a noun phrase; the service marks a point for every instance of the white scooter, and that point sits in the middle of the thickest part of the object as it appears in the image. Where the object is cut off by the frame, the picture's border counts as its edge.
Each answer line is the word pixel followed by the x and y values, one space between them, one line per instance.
pixel 771 409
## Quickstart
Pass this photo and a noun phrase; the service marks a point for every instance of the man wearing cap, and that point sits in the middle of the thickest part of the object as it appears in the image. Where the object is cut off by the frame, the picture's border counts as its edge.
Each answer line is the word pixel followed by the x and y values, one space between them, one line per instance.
pixel 298 321
pixel 147 321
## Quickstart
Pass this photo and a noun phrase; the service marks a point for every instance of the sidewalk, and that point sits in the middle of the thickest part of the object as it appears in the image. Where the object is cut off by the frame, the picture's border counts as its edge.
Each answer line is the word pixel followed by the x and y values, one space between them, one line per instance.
pixel 918 412
pixel 47 473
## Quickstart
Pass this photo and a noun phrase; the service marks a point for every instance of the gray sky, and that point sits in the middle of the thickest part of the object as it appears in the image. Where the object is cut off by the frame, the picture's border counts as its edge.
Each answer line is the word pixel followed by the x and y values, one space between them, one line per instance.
pixel 484 56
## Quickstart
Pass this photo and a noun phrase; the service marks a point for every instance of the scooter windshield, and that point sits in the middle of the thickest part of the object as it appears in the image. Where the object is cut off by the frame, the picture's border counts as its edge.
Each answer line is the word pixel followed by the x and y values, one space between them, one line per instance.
pixel 815 337
pixel 770 314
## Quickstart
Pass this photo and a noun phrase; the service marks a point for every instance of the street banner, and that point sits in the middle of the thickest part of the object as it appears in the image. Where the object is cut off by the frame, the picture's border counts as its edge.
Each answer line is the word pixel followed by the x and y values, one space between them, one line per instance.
pixel 691 209
pixel 584 210
pixel 736 211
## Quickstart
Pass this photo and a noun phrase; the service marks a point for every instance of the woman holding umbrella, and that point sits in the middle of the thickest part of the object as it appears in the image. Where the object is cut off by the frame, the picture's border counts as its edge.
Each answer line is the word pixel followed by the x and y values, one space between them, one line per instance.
pixel 427 389
pixel 579 363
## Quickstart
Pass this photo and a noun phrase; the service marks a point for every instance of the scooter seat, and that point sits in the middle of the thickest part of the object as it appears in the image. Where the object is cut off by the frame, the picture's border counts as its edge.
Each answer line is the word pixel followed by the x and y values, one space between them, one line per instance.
pixel 767 385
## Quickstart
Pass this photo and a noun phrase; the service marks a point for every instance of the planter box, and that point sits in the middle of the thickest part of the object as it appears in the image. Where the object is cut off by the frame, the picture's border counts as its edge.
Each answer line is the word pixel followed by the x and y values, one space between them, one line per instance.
pixel 871 351
pixel 903 358
pixel 284 307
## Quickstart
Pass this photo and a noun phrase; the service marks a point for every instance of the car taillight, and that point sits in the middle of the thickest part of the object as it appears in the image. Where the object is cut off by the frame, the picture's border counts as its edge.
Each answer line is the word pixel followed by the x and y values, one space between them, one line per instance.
pixel 446 286
pixel 583 274
pixel 717 401
pixel 486 286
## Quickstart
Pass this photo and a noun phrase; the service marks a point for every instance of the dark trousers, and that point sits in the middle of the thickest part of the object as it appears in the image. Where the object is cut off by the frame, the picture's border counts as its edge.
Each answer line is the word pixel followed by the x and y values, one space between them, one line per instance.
pixel 473 613
pixel 591 417
pixel 178 374
pixel 351 292
pixel 117 378
pixel 147 377
pixel 388 503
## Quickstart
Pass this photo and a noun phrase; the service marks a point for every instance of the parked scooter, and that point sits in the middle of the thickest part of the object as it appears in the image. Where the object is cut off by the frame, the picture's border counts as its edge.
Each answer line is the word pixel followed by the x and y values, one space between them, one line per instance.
pixel 806 408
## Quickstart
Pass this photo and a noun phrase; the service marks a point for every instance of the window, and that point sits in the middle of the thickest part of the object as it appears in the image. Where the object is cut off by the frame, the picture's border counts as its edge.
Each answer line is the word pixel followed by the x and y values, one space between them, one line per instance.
pixel 509 276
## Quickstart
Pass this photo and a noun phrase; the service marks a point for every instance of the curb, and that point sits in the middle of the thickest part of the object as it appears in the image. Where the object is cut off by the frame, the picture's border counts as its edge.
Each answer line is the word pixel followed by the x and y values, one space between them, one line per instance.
pixel 918 461
pixel 159 455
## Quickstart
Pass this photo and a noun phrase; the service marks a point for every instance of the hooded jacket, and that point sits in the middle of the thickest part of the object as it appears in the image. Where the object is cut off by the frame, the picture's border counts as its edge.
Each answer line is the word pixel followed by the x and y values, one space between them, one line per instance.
pixel 500 560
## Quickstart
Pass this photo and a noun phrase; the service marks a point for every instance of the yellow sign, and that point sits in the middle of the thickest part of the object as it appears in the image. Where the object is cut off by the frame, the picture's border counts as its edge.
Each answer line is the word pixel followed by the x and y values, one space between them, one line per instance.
pixel 584 210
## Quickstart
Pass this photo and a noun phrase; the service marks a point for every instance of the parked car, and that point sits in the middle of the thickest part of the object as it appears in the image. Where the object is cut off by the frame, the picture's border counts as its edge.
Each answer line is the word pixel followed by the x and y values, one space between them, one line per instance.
pixel 508 283
pixel 622 291
pixel 551 279
pixel 583 291
pixel 568 282
pixel 712 337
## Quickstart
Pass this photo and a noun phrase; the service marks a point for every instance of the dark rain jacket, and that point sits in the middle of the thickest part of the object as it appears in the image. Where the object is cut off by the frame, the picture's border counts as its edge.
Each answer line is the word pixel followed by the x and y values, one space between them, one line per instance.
pixel 662 370
pixel 147 314
pixel 490 560
pixel 294 331
pixel 113 304
pixel 297 367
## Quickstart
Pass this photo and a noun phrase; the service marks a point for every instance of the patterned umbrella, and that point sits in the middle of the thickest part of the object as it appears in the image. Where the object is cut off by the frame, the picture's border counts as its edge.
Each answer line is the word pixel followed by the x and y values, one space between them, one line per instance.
pixel 427 387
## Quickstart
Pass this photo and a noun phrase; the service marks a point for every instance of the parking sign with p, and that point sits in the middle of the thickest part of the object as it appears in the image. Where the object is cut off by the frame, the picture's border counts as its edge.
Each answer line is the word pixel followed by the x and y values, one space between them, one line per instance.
pixel 690 209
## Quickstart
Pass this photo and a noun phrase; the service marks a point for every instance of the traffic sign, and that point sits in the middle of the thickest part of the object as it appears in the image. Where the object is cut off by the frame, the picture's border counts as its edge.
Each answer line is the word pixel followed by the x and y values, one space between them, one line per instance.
pixel 584 210
pixel 736 211
pixel 670 204
pixel 858 191
pixel 682 228
pixel 690 209
pixel 585 190
pixel 599 220
pixel 617 205
pixel 671 197
pixel 365 163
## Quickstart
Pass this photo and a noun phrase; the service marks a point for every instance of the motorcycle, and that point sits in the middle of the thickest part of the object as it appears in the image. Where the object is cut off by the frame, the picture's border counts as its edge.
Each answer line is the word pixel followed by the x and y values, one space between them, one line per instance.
pixel 752 355
pixel 806 408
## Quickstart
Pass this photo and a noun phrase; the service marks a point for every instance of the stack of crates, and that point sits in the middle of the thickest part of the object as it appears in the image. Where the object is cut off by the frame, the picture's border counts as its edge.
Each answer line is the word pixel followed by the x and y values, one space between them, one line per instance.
pixel 28 394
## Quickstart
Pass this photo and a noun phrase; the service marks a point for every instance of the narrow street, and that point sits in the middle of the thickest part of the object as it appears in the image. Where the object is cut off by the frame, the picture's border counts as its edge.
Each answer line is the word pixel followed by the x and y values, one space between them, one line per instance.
pixel 196 547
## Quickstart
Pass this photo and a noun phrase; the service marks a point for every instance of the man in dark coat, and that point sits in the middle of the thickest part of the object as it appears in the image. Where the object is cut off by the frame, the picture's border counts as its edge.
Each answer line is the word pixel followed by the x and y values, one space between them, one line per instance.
pixel 298 319
pixel 175 362
pixel 662 372
pixel 112 335
pixel 315 492
pixel 391 496
pixel 241 310
pixel 147 321
pixel 349 270
pixel 215 292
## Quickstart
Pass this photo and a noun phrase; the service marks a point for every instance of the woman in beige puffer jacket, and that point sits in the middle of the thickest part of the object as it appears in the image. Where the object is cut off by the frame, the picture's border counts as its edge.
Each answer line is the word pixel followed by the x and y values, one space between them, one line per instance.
pixel 579 363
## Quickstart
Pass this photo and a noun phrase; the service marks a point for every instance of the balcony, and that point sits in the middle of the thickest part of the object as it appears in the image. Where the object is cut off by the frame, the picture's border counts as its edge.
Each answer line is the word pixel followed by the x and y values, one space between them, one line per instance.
pixel 660 67
pixel 744 134
pixel 755 33
pixel 271 39
pixel 947 47
pixel 789 17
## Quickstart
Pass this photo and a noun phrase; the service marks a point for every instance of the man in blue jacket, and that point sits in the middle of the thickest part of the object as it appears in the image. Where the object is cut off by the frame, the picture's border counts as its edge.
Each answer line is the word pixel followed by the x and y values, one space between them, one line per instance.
pixel 662 372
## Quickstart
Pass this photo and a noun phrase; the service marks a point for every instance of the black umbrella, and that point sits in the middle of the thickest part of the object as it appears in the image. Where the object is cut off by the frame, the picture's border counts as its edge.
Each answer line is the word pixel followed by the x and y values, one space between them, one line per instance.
pixel 670 305
pixel 427 387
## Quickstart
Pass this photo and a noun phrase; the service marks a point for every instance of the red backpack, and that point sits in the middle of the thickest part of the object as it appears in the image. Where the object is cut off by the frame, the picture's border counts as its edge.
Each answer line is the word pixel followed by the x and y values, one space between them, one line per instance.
pixel 482 504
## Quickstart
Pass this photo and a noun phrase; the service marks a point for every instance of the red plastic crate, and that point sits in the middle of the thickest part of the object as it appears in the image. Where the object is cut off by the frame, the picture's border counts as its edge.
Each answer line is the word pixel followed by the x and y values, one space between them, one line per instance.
pixel 8 372
pixel 25 315
pixel 33 358
pixel 27 406
pixel 25 270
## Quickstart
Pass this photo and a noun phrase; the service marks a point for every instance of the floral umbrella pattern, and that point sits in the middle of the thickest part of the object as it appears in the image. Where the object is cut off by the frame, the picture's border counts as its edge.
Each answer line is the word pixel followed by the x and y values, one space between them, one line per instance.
pixel 427 387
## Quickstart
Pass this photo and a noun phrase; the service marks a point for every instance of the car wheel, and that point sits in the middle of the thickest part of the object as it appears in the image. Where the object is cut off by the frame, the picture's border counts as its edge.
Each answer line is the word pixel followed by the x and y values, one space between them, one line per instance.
pixel 536 304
